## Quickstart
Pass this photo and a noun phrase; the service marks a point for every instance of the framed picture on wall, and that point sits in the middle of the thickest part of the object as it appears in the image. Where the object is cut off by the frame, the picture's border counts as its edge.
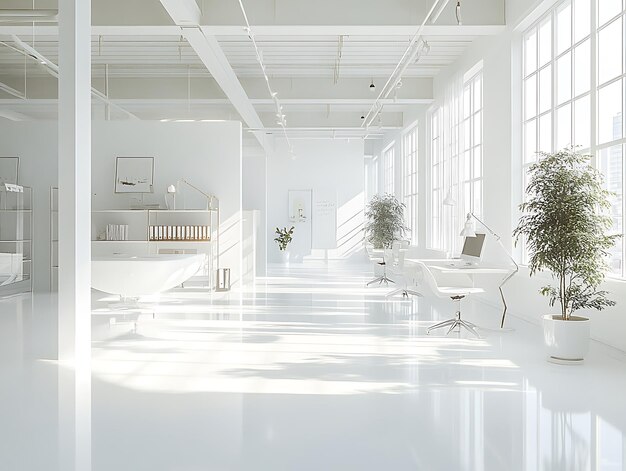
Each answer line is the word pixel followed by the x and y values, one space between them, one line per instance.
pixel 9 170
pixel 134 175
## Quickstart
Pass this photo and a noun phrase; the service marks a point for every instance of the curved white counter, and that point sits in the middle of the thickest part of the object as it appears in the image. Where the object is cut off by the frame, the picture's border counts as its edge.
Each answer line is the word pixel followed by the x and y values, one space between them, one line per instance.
pixel 134 276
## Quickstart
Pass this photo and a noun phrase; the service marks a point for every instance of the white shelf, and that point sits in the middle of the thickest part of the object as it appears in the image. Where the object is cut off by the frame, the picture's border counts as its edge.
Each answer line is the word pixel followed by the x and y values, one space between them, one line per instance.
pixel 174 211
pixel 121 210
pixel 121 241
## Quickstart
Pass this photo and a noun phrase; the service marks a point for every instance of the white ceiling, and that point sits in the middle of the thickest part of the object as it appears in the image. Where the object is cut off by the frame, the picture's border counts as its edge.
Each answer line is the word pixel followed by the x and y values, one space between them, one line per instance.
pixel 155 73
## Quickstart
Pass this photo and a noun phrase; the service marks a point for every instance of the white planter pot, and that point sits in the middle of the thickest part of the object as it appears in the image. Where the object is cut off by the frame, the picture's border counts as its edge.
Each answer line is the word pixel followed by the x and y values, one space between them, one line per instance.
pixel 566 341
pixel 284 256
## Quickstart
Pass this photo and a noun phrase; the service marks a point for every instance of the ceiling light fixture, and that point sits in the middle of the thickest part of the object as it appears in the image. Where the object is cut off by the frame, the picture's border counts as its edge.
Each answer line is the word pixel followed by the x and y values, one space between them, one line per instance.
pixel 459 20
pixel 417 47
pixel 372 86
pixel 281 119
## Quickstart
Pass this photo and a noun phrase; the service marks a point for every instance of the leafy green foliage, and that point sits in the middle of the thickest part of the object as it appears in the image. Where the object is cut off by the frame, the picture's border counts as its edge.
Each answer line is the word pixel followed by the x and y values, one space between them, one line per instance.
pixel 565 223
pixel 284 237
pixel 385 221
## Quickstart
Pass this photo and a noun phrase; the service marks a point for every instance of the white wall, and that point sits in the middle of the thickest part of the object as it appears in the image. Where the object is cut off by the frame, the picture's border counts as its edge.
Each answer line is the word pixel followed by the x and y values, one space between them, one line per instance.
pixel 207 154
pixel 255 199
pixel 320 165
pixel 501 161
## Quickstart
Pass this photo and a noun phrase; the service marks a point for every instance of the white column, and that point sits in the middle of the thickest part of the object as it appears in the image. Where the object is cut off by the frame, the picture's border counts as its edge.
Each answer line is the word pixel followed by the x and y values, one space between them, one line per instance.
pixel 74 323
pixel 74 179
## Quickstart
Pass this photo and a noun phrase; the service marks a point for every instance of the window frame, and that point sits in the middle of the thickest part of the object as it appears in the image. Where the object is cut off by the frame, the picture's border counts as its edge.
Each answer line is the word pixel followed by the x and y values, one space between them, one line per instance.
pixel 567 109
pixel 389 156
pixel 453 141
pixel 410 179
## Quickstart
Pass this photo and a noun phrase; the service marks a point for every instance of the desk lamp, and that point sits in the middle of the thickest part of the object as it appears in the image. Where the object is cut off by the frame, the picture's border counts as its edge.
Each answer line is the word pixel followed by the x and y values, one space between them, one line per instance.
pixel 469 230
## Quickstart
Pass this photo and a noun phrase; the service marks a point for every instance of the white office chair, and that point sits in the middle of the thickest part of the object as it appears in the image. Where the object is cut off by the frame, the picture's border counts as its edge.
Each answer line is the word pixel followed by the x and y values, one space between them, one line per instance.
pixel 399 269
pixel 384 262
pixel 425 279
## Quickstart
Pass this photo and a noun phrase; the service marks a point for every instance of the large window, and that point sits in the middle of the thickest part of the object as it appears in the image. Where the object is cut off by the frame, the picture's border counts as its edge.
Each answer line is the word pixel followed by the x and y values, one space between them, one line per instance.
pixel 388 162
pixel 573 92
pixel 456 161
pixel 409 184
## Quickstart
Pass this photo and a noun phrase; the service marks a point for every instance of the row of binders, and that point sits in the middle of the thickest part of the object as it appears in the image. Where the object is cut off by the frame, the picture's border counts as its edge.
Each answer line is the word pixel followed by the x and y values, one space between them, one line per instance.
pixel 180 233
pixel 116 232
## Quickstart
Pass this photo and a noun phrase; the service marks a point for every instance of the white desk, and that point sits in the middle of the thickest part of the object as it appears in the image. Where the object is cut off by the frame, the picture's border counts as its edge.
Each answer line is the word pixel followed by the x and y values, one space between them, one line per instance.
pixel 448 266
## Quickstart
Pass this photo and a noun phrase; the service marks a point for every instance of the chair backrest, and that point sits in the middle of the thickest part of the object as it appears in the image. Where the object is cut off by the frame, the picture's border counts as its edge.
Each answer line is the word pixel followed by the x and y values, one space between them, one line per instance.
pixel 425 280
pixel 389 256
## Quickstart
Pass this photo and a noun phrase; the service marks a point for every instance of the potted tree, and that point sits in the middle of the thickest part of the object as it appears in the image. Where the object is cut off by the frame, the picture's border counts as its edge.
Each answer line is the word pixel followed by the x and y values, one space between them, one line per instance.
pixel 564 224
pixel 283 238
pixel 385 221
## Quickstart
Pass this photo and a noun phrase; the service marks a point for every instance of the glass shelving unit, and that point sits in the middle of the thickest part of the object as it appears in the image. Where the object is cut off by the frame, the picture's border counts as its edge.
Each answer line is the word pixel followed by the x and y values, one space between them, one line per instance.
pixel 16 240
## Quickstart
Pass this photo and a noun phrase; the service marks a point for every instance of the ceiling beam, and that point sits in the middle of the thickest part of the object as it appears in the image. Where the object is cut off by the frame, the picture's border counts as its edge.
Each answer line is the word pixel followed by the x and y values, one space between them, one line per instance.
pixel 183 12
pixel 272 30
pixel 186 14
pixel 212 56
pixel 11 91
pixel 13 115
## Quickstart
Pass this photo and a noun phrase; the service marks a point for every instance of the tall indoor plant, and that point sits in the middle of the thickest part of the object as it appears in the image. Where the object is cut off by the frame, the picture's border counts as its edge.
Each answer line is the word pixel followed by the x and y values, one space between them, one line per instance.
pixel 564 224
pixel 384 221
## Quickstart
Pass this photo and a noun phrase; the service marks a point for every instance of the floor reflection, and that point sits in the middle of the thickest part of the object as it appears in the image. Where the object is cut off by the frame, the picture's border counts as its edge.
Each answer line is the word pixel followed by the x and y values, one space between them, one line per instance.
pixel 307 371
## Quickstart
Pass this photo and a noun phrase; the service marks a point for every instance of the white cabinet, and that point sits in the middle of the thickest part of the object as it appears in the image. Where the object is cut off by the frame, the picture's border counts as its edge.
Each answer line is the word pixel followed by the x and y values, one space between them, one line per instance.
pixel 157 231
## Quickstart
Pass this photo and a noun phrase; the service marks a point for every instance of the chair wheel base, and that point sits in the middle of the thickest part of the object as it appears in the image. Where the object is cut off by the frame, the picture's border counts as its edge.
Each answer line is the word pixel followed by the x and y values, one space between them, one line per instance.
pixel 453 324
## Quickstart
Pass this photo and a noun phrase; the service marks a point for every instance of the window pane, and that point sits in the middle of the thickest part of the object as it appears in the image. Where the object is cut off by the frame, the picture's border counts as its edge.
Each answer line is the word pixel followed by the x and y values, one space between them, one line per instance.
pixel 478 191
pixel 610 164
pixel 610 51
pixel 582 122
pixel 530 52
pixel 545 41
pixel 545 89
pixel 478 89
pixel 607 9
pixel 478 161
pixel 610 112
pixel 564 126
pixel 478 128
pixel 545 133
pixel 530 96
pixel 564 78
pixel 466 165
pixel 582 69
pixel 563 28
pixel 582 19
pixel 467 134
pixel 530 140
pixel 466 100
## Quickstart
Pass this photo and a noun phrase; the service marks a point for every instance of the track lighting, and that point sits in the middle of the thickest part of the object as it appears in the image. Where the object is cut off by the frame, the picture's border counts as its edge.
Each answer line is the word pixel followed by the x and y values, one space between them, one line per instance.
pixel 281 120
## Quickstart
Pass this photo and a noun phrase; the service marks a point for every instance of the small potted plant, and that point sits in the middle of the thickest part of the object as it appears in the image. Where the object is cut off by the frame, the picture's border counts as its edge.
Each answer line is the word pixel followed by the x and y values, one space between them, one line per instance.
pixel 564 224
pixel 385 221
pixel 283 238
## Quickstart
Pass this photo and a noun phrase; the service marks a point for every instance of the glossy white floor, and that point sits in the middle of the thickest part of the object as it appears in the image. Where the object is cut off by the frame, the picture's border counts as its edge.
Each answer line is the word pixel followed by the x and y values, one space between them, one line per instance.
pixel 308 371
